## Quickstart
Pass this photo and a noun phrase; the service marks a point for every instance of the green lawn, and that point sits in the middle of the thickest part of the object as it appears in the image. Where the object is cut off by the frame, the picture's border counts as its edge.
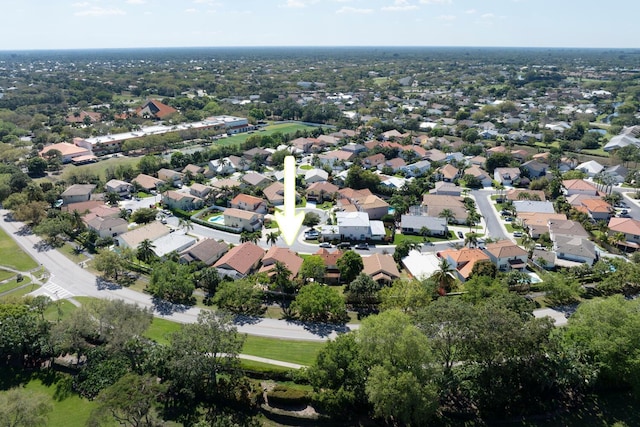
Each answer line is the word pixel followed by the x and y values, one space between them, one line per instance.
pixel 301 352
pixel 4 274
pixel 100 167
pixel 58 310
pixel 284 128
pixel 68 250
pixel 160 329
pixel 12 256
pixel 13 284
pixel 69 410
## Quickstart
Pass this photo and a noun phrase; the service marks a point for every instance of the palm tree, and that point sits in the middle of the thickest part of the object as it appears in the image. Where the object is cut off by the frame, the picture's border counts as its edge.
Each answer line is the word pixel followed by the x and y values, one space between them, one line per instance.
pixel 443 276
pixel 471 240
pixel 424 232
pixel 76 222
pixel 448 215
pixel 617 238
pixel 185 224
pixel 273 237
pixel 472 219
pixel 144 251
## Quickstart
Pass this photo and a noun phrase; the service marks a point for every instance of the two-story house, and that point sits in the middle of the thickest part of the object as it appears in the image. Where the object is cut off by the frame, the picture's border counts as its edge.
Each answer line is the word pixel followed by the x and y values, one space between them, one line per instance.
pixel 250 203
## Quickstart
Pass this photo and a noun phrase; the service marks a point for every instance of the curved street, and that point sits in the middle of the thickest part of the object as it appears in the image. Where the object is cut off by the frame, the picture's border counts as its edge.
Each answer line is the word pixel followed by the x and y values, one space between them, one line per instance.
pixel 68 279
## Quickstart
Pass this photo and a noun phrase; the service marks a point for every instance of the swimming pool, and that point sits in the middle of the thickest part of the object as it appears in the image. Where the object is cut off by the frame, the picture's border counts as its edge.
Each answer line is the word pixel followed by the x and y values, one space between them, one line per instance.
pixel 218 219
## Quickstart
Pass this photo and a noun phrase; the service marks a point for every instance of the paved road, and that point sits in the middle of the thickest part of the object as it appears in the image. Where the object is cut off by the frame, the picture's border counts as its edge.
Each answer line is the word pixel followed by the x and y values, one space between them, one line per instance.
pixel 495 227
pixel 68 279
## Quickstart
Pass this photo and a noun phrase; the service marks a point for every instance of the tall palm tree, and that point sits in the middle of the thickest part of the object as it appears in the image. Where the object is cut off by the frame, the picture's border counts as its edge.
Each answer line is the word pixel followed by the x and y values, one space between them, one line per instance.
pixel 185 224
pixel 471 240
pixel 144 251
pixel 443 276
pixel 273 237
pixel 447 214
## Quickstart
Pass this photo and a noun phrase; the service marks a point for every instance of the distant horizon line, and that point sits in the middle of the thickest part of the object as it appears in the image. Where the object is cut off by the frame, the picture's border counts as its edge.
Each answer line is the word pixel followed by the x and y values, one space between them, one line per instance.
pixel 2 50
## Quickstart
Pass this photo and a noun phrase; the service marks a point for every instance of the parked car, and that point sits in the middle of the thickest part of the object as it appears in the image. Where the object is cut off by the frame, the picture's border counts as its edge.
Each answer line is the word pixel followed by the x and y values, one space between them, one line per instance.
pixel 362 246
pixel 460 235
pixel 344 245
pixel 325 245
pixel 517 234
pixel 311 234
pixel 509 219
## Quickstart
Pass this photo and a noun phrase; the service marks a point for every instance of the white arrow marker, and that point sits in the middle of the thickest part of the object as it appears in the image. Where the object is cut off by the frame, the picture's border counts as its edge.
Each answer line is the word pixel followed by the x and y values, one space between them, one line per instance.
pixel 288 220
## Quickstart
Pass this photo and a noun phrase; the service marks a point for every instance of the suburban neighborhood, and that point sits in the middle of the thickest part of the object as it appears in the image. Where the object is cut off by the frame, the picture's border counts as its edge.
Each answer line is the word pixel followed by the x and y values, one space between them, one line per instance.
pixel 480 210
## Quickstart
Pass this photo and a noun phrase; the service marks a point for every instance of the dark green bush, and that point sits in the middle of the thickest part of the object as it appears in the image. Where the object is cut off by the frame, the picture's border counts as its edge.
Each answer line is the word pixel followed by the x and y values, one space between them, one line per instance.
pixel 283 396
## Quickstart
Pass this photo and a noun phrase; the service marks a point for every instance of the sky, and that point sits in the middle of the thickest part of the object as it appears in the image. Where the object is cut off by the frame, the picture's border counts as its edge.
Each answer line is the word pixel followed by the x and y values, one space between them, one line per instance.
pixel 96 24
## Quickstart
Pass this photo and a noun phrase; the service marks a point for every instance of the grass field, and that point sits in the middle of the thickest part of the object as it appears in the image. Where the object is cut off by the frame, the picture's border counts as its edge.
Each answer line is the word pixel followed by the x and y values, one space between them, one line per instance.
pixel 69 410
pixel 100 167
pixel 68 250
pixel 4 274
pixel 283 128
pixel 399 238
pixel 301 352
pixel 12 256
pixel 13 284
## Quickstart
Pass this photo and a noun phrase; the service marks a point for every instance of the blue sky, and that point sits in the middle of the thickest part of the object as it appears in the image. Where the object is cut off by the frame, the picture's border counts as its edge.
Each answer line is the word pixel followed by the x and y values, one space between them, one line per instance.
pixel 55 24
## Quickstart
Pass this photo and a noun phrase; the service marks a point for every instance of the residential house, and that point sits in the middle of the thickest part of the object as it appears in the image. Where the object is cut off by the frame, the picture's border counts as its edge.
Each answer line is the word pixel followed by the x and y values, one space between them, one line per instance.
pixel 183 201
pixel 243 220
pixel 591 168
pixel 391 135
pixel 274 194
pixel 121 188
pixel 170 176
pixel 567 164
pixel 435 155
pixel 77 193
pixel 579 186
pixel 620 141
pixel 544 259
pixel 321 191
pixel 227 183
pixel 381 268
pixel 331 158
pixel 372 205
pixel 479 161
pixel 395 164
pixel 534 169
pixel 173 243
pixel 68 151
pixel 447 173
pixel 575 250
pixel 507 176
pixel 84 207
pixel 290 259
pixel 417 169
pixel 524 206
pixel 436 204
pixel 315 175
pixel 597 209
pixel 249 203
pixel 525 194
pixel 152 231
pixel 536 223
pixel 482 176
pixel 520 155
pixel 446 189
pixel 330 259
pixel 617 173
pixel 630 229
pixel 108 226
pixel 240 261
pixel 354 148
pixel 463 260
pixel 206 251
pixel 257 154
pixel 200 190
pixel 567 228
pixel 373 161
pixel 353 225
pixel 255 179
pixel 415 224
pixel 193 170
pixel 506 255
pixel 302 145
pixel 147 182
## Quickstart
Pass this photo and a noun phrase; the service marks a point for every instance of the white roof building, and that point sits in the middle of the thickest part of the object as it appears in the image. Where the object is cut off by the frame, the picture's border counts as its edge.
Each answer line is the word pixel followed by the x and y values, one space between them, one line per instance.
pixel 421 265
